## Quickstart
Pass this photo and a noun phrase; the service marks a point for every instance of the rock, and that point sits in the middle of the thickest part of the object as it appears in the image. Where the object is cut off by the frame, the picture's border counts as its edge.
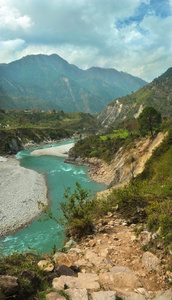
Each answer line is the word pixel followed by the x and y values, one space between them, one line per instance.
pixel 109 214
pixel 83 281
pixel 9 284
pixel 54 296
pixel 92 243
pixel 46 265
pixel 93 257
pixel 151 262
pixel 145 237
pixel 102 295
pixel 120 278
pixel 81 263
pixel 69 244
pixel 15 145
pixel 64 270
pixel 30 275
pixel 167 295
pixel 134 296
pixel 61 258
pixel 58 283
pixel 104 252
pixel 78 294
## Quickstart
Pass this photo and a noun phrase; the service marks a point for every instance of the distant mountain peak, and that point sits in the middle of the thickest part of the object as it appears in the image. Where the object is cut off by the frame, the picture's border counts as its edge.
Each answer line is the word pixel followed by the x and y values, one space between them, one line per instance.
pixel 37 81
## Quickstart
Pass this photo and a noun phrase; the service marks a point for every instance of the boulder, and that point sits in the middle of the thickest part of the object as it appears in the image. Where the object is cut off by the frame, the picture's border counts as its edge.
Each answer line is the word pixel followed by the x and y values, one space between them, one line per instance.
pixel 167 295
pixel 83 281
pixel 103 295
pixel 145 237
pixel 78 294
pixel 64 270
pixel 120 278
pixel 151 262
pixel 61 258
pixel 54 296
pixel 46 265
pixel 9 285
pixel 69 244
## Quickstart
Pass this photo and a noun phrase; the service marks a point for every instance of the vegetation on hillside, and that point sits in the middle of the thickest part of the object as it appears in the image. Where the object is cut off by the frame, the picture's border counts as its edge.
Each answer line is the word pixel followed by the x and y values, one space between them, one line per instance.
pixel 47 82
pixel 24 126
pixel 146 199
pixel 104 146
pixel 33 281
pixel 158 94
pixel 149 120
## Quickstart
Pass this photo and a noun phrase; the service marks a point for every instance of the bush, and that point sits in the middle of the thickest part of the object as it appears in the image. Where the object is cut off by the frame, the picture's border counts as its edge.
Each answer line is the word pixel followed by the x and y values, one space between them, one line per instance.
pixel 77 211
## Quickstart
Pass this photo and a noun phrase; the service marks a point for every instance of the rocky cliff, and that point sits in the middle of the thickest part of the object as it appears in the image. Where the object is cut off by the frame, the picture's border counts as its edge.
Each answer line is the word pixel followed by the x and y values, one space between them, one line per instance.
pixel 158 94
pixel 127 163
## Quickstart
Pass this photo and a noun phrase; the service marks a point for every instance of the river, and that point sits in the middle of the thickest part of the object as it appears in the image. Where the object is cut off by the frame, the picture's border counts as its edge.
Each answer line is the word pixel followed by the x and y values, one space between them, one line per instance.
pixel 43 236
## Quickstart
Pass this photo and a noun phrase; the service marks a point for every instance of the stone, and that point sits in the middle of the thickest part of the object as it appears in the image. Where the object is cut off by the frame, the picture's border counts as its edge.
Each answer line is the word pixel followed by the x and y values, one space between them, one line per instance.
pixel 58 284
pixel 9 284
pixel 167 295
pixel 92 243
pixel 93 257
pixel 64 270
pixel 151 262
pixel 120 278
pixel 69 244
pixel 80 263
pixel 54 296
pixel 134 296
pixel 83 281
pixel 104 252
pixel 46 265
pixel 145 237
pixel 61 258
pixel 103 295
pixel 78 294
pixel 109 214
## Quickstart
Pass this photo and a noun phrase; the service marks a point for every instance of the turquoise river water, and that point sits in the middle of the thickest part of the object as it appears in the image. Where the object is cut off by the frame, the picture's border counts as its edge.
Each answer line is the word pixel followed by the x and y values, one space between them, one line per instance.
pixel 42 236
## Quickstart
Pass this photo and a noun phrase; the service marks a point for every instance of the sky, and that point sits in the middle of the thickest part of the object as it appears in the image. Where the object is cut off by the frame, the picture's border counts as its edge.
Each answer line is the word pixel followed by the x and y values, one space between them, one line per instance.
pixel 133 36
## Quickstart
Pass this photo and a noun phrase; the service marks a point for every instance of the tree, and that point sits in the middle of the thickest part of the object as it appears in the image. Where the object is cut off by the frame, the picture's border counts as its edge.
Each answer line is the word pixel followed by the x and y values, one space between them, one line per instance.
pixel 149 120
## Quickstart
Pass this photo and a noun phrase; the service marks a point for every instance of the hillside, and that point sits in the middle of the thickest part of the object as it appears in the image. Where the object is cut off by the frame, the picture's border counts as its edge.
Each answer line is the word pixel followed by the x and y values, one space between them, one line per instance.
pixel 50 82
pixel 20 127
pixel 158 94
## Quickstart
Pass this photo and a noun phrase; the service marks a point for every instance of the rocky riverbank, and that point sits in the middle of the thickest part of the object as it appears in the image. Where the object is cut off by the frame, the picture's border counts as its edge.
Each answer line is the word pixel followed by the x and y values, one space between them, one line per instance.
pixel 21 189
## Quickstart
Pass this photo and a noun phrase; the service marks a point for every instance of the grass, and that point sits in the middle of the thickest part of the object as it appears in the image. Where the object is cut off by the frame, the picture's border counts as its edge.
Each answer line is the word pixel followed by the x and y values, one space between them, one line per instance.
pixel 30 287
pixel 121 133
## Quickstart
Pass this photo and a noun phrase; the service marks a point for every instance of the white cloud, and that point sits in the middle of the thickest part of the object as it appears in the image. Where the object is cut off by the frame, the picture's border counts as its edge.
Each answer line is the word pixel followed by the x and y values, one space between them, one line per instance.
pixel 86 33
pixel 11 49
pixel 10 17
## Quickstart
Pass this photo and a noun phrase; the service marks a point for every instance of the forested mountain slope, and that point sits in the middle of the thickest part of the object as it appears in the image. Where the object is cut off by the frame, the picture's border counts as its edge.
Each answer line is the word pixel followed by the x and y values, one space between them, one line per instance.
pixel 158 94
pixel 50 82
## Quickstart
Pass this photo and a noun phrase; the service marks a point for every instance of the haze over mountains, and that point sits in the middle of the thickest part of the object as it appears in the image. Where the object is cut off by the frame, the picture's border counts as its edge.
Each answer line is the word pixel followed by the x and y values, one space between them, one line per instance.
pixel 50 82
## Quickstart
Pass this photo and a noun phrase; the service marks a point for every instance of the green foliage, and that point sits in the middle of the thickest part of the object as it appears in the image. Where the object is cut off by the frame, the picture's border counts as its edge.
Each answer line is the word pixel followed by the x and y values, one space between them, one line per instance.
pixel 49 82
pixel 95 146
pixel 149 120
pixel 39 126
pixel 15 264
pixel 77 208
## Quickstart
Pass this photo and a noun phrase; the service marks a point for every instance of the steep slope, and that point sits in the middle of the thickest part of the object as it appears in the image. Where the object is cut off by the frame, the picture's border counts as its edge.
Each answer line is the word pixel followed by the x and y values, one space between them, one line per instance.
pixel 36 79
pixel 157 94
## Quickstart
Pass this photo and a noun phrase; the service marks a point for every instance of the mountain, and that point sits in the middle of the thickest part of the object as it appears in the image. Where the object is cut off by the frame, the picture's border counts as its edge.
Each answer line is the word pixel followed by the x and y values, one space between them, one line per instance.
pixel 50 82
pixel 158 94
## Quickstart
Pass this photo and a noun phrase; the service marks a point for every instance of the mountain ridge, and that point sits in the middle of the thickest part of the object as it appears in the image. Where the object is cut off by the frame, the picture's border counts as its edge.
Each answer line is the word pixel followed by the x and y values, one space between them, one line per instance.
pixel 65 86
pixel 158 94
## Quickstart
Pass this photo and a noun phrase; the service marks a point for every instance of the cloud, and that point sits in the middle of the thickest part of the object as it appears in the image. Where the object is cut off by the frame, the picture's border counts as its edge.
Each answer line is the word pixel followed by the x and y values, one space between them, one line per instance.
pixel 129 35
pixel 11 18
